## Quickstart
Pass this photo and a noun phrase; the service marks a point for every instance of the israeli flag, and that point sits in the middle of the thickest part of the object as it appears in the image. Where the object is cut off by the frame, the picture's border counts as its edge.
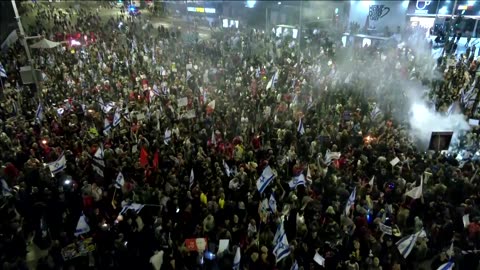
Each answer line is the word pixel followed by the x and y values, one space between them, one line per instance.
pixel 297 181
pixel 82 226
pixel 375 112
pixel 6 191
pixel 272 203
pixel 98 157
pixel 39 113
pixel 167 137
pixel 107 126
pixel 330 156
pixel 273 80
pixel 310 102
pixel 126 115
pixel 98 163
pixel 265 179
pixel 237 259
pixel 280 231
pixel 227 169
pixel 281 249
pixel 468 97
pixel 120 181
pixel 300 128
pixel 3 72
pixel 192 179
pixel 156 91
pixel 294 266
pixel 406 244
pixel 351 201
pixel 453 108
pixel 59 165
pixel 134 206
pixel 116 118
pixel 386 229
pixel 447 266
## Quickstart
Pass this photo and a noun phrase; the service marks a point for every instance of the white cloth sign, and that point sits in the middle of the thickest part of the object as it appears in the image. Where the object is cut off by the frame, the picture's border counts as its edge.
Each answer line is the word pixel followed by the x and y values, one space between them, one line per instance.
pixel 182 102
pixel 395 161
pixel 223 245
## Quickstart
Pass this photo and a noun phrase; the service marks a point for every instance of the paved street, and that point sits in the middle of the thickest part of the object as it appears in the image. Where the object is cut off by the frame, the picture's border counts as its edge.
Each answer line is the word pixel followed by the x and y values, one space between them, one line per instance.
pixel 106 13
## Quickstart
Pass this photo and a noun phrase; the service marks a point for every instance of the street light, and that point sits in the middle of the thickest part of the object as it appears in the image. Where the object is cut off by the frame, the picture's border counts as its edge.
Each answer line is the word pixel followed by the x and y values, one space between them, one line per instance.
pixel 23 39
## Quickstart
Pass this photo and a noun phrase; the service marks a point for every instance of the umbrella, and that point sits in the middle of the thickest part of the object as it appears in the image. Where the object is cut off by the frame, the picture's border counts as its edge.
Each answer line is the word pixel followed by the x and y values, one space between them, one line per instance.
pixel 45 44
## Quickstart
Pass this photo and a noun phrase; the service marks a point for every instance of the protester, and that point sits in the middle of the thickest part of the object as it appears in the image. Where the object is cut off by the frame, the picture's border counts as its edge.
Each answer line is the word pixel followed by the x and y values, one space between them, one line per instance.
pixel 146 138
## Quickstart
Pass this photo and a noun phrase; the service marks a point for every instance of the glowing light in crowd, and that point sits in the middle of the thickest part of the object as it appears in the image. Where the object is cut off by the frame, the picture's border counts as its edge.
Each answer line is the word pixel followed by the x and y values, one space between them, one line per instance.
pixel 368 139
pixel 74 42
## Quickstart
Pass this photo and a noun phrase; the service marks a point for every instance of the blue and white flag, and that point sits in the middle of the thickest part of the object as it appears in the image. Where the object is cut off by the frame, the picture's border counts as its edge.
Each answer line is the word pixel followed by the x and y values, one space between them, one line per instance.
pixel 6 191
pixel 126 114
pixel 167 137
pixel 351 201
pixel 39 113
pixel 468 97
pixel 59 165
pixel 294 266
pixel 330 156
pixel 82 226
pixel 98 163
pixel 310 102
pixel 192 179
pixel 375 112
pixel 237 259
pixel 156 91
pixel 407 243
pixel 3 72
pixel 120 181
pixel 454 108
pixel 272 203
pixel 447 266
pixel 282 248
pixel 265 179
pixel 280 231
pixel 297 181
pixel 385 229
pixel 116 118
pixel 273 80
pixel 134 206
pixel 106 107
pixel 107 126
pixel 228 172
pixel 300 128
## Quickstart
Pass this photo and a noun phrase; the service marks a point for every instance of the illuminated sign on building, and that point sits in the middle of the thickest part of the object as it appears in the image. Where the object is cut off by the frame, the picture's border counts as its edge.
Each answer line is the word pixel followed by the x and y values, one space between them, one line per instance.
pixel 201 10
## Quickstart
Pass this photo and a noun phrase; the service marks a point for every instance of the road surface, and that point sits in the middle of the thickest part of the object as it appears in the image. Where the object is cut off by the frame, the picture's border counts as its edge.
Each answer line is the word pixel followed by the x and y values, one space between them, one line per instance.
pixel 106 13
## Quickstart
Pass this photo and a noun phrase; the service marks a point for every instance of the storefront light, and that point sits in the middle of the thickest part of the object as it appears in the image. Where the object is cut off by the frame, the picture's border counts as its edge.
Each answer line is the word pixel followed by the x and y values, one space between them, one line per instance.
pixel 210 10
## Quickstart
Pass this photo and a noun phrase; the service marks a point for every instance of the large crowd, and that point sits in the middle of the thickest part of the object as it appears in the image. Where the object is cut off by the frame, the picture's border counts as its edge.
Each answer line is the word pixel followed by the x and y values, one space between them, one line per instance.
pixel 241 136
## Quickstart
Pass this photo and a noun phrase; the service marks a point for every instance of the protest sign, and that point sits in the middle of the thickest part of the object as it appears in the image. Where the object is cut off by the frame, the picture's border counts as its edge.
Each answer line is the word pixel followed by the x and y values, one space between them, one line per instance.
pixel 78 249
